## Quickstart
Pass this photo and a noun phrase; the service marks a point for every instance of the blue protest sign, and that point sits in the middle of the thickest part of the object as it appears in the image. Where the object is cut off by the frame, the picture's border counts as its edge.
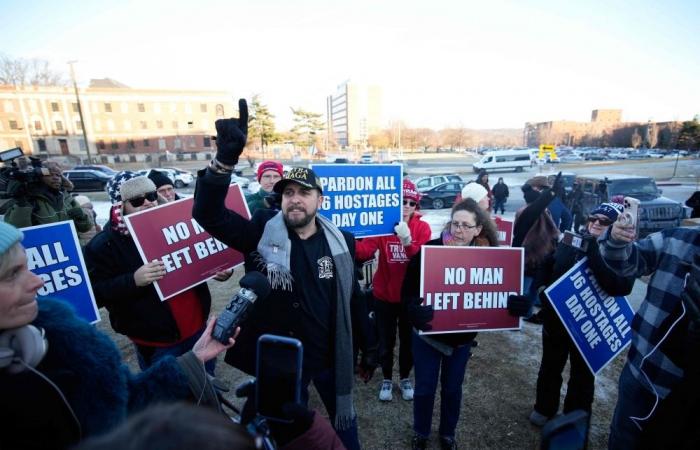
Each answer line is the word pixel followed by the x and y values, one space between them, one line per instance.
pixel 364 199
pixel 54 254
pixel 598 323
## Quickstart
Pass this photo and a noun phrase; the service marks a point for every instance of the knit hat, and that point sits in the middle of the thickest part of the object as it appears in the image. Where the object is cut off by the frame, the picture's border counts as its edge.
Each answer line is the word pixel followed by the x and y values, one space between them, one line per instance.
pixel 114 185
pixel 136 187
pixel 82 200
pixel 474 191
pixel 538 181
pixel 269 165
pixel 410 191
pixel 159 178
pixel 609 210
pixel 9 236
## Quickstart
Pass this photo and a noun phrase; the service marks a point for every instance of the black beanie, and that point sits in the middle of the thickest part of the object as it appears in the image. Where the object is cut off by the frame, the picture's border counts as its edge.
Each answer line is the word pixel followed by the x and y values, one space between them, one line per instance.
pixel 159 178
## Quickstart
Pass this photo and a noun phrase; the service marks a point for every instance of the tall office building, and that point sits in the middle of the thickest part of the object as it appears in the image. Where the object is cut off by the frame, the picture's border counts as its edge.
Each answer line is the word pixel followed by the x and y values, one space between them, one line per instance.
pixel 353 113
pixel 44 120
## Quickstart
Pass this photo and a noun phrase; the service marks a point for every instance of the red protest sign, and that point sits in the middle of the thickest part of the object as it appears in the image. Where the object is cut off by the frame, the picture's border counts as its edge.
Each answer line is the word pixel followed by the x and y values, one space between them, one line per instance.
pixel 505 231
pixel 468 287
pixel 191 256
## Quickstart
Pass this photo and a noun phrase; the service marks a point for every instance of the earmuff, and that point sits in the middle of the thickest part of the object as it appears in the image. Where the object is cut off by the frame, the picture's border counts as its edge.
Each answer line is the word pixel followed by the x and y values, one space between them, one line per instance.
pixel 21 347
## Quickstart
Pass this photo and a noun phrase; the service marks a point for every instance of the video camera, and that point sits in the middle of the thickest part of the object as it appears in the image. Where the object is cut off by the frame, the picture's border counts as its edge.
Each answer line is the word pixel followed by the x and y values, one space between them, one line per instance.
pixel 17 174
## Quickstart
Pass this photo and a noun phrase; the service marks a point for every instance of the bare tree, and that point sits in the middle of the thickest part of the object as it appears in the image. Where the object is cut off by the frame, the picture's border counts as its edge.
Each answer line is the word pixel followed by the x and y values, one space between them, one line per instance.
pixel 33 72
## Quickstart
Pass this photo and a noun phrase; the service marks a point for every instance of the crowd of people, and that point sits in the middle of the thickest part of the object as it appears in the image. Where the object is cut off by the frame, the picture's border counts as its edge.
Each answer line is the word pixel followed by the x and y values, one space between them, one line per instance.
pixel 63 382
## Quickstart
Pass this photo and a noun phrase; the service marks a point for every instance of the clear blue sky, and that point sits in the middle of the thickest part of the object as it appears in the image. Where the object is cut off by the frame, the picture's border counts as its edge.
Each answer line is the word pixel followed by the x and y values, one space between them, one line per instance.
pixel 441 63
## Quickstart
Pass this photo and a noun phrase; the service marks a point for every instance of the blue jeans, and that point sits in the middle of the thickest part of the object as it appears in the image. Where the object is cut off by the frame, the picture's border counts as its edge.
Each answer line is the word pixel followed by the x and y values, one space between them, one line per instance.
pixel 428 363
pixel 324 383
pixel 148 355
pixel 530 291
pixel 633 401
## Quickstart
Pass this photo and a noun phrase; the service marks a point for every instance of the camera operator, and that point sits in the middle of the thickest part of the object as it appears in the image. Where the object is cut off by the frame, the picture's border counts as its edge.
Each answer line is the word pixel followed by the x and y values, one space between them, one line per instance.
pixel 657 363
pixel 47 201
pixel 61 380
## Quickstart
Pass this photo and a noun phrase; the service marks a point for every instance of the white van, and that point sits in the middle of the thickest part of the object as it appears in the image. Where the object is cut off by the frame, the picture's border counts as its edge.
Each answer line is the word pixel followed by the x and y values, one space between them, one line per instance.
pixel 515 160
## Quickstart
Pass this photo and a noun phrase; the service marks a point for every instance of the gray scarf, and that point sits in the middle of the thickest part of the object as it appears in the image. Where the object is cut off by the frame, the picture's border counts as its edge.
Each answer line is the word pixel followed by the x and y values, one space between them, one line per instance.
pixel 275 249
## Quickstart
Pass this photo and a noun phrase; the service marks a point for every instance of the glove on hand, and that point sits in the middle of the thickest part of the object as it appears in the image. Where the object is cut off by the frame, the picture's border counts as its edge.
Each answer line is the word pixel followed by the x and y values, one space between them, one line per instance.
pixel 518 305
pixel 76 213
pixel 558 183
pixel 231 136
pixel 404 234
pixel 420 315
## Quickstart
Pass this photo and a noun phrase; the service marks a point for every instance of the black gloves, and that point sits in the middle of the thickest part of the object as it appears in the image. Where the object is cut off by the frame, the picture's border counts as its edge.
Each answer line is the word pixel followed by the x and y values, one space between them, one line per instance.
pixel 558 184
pixel 420 315
pixel 518 305
pixel 231 136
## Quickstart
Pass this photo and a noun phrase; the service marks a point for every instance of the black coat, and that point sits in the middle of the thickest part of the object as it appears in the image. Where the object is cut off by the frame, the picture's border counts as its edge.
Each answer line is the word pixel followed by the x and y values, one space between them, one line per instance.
pixel 280 313
pixel 134 311
pixel 500 191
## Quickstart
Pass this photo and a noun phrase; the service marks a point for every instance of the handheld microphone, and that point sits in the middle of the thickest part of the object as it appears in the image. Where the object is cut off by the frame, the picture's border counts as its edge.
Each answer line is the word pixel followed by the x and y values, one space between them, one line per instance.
pixel 254 285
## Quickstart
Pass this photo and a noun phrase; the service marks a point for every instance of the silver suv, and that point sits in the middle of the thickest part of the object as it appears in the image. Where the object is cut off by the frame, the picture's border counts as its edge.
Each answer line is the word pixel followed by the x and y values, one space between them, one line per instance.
pixel 424 183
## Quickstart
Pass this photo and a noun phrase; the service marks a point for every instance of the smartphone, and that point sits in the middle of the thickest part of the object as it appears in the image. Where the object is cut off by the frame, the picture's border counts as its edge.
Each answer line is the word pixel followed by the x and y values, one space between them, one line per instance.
pixel 278 375
pixel 574 240
pixel 630 212
pixel 567 432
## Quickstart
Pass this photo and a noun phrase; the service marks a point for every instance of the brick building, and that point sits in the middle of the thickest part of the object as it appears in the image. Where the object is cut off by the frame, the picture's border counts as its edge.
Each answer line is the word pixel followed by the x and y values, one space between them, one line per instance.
pixel 131 123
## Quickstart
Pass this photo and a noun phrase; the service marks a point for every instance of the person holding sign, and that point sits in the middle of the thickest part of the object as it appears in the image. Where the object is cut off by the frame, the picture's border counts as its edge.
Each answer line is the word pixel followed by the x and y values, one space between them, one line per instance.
pixel 394 254
pixel 310 265
pixel 557 346
pixel 658 363
pixel 449 352
pixel 62 380
pixel 124 284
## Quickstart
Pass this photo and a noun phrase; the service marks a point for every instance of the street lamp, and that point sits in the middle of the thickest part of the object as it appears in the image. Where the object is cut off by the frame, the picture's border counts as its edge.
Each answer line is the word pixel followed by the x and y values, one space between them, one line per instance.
pixel 80 111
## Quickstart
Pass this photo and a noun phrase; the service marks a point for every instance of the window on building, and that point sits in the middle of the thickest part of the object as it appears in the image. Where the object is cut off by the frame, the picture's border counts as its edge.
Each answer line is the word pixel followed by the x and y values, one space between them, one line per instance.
pixel 108 107
pixel 75 107
pixel 190 124
pixel 130 144
pixel 206 141
pixel 175 124
pixel 141 107
pixel 59 125
pixel 78 125
pixel 146 142
pixel 54 107
pixel 203 107
pixel 159 123
pixel 101 144
pixel 13 125
pixel 37 125
pixel 144 125
pixel 114 144
pixel 42 144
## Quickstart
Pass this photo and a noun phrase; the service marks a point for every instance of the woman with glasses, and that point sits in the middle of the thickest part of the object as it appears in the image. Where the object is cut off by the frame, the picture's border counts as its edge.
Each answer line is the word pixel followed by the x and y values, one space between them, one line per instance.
pixel 446 353
pixel 394 254
pixel 124 284
pixel 557 346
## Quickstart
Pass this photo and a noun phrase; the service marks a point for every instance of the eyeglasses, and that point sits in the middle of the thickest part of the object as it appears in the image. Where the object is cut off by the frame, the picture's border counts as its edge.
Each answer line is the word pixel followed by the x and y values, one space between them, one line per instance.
pixel 138 201
pixel 603 221
pixel 409 203
pixel 462 226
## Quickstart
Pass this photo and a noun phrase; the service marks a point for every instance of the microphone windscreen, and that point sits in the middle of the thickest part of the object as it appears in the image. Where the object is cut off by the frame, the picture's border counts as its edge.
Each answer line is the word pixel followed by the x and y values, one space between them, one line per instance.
pixel 256 282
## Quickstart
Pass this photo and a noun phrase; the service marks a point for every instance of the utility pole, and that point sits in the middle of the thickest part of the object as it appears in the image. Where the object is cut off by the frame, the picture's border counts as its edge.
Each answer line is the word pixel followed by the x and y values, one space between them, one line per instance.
pixel 80 111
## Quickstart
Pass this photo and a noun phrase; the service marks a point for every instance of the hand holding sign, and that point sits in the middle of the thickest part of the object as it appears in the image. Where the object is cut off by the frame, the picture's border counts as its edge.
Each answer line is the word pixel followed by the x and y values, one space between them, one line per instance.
pixel 518 305
pixel 420 315
pixel 148 273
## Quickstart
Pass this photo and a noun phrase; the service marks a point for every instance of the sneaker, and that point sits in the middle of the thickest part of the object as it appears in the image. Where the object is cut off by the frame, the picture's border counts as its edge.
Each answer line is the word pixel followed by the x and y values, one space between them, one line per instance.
pixel 448 443
pixel 385 391
pixel 419 442
pixel 538 419
pixel 406 389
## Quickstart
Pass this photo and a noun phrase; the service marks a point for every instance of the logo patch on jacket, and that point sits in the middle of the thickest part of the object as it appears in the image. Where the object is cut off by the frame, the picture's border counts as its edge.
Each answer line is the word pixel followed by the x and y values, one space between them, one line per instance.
pixel 396 252
pixel 325 268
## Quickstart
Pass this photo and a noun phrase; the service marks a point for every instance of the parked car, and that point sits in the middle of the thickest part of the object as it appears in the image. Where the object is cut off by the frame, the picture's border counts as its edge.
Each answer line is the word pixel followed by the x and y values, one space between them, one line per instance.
pixel 516 160
pixel 441 196
pixel 571 158
pixel 618 154
pixel 639 154
pixel 87 180
pixel 655 211
pixel 243 182
pixel 655 155
pixel 104 169
pixel 366 159
pixel 424 183
pixel 596 156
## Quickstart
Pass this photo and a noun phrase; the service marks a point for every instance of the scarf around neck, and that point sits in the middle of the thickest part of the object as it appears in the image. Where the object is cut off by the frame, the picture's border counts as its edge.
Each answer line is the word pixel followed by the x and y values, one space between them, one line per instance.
pixel 274 249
